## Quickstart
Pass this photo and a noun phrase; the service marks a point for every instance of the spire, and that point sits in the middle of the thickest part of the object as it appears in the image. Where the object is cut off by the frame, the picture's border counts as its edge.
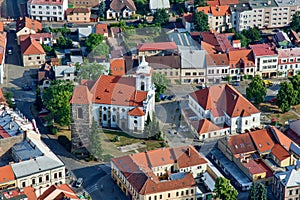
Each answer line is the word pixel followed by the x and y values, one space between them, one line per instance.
pixel 143 63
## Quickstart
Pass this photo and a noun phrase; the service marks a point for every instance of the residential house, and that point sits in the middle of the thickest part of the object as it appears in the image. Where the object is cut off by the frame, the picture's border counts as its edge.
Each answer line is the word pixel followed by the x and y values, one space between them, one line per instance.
pixel 45 10
pixel 85 3
pixel 114 102
pixel 215 43
pixel 182 38
pixel 32 52
pixel 217 68
pixel 120 9
pixel 83 33
pixel 157 48
pixel 241 62
pixel 294 37
pixel 78 15
pixel 282 40
pixel 117 67
pixel 17 193
pixel 164 173
pixel 286 184
pixel 101 28
pixel 224 105
pixel 241 16
pixel 288 62
pixel 266 60
pixel 167 65
pixel 45 76
pixel 295 126
pixel 3 43
pixel 65 72
pixel 7 178
pixel 115 32
pixel 206 129
pixel 187 21
pixel 192 65
pixel 42 38
pixel 27 26
pixel 62 191
pixel 155 5
pixel 218 17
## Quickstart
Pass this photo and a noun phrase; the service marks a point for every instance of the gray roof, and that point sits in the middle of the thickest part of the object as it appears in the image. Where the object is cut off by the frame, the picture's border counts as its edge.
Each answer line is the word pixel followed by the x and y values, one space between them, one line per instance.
pixel 25 150
pixel 84 32
pixel 36 165
pixel 177 176
pixel 288 2
pixel 9 125
pixel 61 70
pixel 182 39
pixel 289 178
pixel 231 168
pixel 262 3
pixel 240 7
pixel 76 59
pixel 159 4
pixel 192 58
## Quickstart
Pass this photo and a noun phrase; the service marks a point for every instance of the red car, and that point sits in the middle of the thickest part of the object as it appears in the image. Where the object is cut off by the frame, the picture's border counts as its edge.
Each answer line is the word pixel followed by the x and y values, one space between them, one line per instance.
pixel 273 100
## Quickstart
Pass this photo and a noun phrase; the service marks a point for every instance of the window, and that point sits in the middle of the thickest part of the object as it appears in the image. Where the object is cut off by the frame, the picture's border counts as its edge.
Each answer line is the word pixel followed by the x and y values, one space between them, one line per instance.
pixel 23 184
pixel 40 179
pixel 104 117
pixel 60 174
pixel 55 175
pixel 254 119
pixel 160 196
pixel 33 181
pixel 29 58
pixel 192 191
pixel 80 113
pixel 47 177
pixel 114 118
pixel 177 193
pixel 169 195
pixel 291 192
pixel 187 192
pixel 182 193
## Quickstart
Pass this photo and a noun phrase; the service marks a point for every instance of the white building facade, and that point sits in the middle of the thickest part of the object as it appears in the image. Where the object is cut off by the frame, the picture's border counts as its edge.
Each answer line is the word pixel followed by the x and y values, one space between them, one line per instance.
pixel 45 10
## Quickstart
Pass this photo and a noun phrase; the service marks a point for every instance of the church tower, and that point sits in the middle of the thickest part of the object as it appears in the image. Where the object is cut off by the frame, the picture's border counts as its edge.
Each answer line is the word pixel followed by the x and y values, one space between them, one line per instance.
pixel 143 76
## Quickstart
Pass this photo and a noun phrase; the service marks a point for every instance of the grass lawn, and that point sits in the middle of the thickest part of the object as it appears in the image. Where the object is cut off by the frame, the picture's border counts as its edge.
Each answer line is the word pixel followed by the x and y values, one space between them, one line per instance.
pixel 63 131
pixel 126 139
pixel 297 108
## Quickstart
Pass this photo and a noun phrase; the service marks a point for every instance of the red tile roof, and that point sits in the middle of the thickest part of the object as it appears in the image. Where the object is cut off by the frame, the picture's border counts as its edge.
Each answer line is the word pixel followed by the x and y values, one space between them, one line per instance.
pixel 241 58
pixel 72 11
pixel 117 66
pixel 228 2
pixel 263 50
pixel 262 140
pixel 117 90
pixel 214 42
pixel 58 192
pixel 213 3
pixel 225 98
pixel 6 174
pixel 1 26
pixel 216 59
pixel 36 36
pixel 215 10
pixel 29 23
pixel 204 126
pixel 136 112
pixel 280 152
pixel 254 168
pixel 280 137
pixel 3 133
pixel 30 193
pixel 31 47
pixel 101 28
pixel 137 168
pixel 188 17
pixel 46 2
pixel 117 5
pixel 241 144
pixel 157 46
pixel 81 95
pixel 2 98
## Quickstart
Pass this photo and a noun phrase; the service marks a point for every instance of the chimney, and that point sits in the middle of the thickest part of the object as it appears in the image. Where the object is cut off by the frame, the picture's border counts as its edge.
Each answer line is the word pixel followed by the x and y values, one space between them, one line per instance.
pixel 10 125
pixel 189 152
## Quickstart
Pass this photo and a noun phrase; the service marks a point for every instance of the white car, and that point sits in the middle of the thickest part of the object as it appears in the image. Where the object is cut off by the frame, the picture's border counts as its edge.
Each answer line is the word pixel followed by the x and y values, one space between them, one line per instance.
pixel 79 182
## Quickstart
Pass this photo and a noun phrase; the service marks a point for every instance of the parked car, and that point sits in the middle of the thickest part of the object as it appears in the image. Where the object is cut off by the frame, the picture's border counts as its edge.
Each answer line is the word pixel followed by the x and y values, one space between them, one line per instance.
pixel 27 88
pixel 10 50
pixel 70 24
pixel 268 83
pixel 79 182
pixel 273 100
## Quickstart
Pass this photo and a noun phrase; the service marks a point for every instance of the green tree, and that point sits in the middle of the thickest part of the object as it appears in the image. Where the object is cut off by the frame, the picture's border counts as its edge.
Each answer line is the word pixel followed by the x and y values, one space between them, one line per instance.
pixel 64 43
pixel 224 190
pixel 9 96
pixel 38 99
pixel 199 3
pixel 47 49
pixel 244 40
pixel 295 23
pixel 252 33
pixel 161 82
pixel 93 40
pixel 101 50
pixel 102 8
pixel 152 128
pixel 286 96
pixel 295 80
pixel 201 21
pixel 256 90
pixel 160 17
pixel 95 146
pixel 258 191
pixel 56 99
pixel 89 71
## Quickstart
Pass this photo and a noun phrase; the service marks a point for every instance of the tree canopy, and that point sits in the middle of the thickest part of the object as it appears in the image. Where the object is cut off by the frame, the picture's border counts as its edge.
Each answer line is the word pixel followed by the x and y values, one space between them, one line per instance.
pixel 64 43
pixel 93 40
pixel 295 23
pixel 256 90
pixel 160 17
pixel 224 190
pixel 161 82
pixel 201 21
pixel 89 71
pixel 56 99
pixel 102 8
pixel 258 191
pixel 287 96
pixel 198 3
pixel 252 33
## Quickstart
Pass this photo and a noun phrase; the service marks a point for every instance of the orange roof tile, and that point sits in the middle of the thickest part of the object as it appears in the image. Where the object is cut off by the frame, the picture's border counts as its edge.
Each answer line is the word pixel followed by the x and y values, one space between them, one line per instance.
pixel 241 144
pixel 262 140
pixel 29 23
pixel 72 11
pixel 81 95
pixel 263 50
pixel 116 90
pixel 216 59
pixel 218 42
pixel 212 3
pixel 101 28
pixel 31 47
pixel 281 138
pixel 188 17
pixel 117 66
pixel 253 167
pixel 1 26
pixel 241 58
pixel 136 112
pixel 280 152
pixel 36 36
pixel 215 10
pixel 58 192
pixel 157 46
pixel 2 98
pixel 228 2
pixel 204 126
pixel 225 98
pixel 6 174
pixel 30 193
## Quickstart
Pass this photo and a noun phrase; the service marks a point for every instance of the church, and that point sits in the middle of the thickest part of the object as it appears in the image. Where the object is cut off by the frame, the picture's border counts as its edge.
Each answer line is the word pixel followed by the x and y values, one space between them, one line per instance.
pixel 118 102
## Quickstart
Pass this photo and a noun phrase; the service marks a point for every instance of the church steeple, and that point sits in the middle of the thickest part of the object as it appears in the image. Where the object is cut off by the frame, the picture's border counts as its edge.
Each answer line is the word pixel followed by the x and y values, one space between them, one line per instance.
pixel 143 76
